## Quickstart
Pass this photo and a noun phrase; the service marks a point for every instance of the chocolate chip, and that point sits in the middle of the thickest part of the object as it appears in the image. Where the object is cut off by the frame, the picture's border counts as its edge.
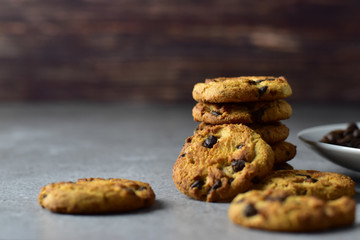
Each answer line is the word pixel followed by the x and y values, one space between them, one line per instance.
pixel 250 210
pixel 259 81
pixel 308 178
pixel 183 155
pixel 252 82
pixel 350 137
pixel 216 185
pixel 257 115
pixel 276 198
pixel 356 133
pixel 262 90
pixel 303 175
pixel 333 136
pixel 312 180
pixel 130 191
pixel 238 165
pixel 44 196
pixel 345 140
pixel 240 146
pixel 142 188
pixel 351 127
pixel 230 180
pixel 210 141
pixel 197 184
pixel 215 113
pixel 255 180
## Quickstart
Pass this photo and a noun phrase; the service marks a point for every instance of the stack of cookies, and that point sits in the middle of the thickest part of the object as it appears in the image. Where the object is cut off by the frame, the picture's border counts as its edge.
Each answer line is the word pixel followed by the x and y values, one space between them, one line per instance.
pixel 257 102
pixel 240 137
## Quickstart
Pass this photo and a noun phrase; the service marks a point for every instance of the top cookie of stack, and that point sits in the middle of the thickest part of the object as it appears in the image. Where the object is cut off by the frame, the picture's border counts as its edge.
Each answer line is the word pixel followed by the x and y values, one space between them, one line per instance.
pixel 242 89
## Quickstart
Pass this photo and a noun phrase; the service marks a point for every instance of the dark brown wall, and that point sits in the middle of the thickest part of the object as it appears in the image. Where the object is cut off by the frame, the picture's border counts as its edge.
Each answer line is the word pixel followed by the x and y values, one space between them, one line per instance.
pixel 158 49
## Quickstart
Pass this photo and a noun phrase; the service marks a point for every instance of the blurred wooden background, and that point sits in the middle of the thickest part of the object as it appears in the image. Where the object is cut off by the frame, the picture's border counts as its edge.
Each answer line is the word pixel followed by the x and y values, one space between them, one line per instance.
pixel 156 50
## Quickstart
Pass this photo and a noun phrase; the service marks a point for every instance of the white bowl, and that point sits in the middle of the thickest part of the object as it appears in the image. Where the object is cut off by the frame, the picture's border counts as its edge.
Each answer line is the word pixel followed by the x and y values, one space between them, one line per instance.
pixel 344 156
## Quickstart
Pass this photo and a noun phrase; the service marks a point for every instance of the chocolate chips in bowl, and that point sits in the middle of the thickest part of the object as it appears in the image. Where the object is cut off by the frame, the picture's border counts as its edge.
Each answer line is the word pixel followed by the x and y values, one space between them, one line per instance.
pixel 338 143
pixel 349 137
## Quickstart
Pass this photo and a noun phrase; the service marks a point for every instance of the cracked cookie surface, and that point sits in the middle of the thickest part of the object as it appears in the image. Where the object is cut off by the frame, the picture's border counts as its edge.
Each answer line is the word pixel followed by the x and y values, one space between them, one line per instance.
pixel 218 162
pixel 96 196
pixel 279 211
pixel 242 89
pixel 324 185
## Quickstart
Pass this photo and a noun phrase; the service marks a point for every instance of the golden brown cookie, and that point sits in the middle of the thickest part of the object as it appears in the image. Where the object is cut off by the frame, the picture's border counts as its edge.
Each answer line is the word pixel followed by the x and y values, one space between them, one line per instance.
pixel 278 211
pixel 218 162
pixel 96 195
pixel 325 185
pixel 250 112
pixel 284 151
pixel 272 133
pixel 242 89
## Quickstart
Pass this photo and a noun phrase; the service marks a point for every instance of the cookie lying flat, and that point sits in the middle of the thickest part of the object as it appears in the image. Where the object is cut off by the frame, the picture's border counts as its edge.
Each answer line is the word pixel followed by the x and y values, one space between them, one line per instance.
pixel 96 195
pixel 270 132
pixel 284 151
pixel 278 211
pixel 324 185
pixel 249 112
pixel 242 89
pixel 218 162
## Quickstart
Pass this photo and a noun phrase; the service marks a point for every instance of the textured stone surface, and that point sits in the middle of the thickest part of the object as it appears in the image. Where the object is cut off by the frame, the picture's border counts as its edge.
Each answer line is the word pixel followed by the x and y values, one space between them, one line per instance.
pixel 44 143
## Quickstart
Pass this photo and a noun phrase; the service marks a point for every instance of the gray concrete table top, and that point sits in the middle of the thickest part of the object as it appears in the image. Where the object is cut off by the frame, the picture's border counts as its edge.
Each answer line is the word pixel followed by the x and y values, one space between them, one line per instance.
pixel 44 143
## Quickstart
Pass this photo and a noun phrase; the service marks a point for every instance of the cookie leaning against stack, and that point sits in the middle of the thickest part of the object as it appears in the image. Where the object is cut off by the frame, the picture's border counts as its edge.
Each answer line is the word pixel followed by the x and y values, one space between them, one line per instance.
pixel 219 162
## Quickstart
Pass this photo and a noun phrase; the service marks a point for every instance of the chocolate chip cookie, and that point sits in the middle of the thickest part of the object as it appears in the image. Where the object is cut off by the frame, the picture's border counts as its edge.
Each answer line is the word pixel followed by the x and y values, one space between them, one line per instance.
pixel 279 211
pixel 324 185
pixel 96 196
pixel 242 89
pixel 284 151
pixel 272 133
pixel 249 112
pixel 218 162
